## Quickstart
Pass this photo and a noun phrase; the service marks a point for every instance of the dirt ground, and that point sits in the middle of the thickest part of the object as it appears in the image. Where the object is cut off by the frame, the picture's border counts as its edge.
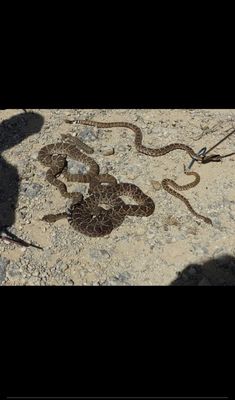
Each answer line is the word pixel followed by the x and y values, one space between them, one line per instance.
pixel 170 247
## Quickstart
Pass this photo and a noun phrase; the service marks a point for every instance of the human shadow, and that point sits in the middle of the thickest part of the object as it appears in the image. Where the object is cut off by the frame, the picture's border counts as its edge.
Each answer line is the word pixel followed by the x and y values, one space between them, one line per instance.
pixel 13 131
pixel 215 272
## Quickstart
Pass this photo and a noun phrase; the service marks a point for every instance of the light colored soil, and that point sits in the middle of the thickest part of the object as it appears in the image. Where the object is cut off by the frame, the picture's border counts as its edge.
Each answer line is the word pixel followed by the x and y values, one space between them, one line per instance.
pixel 169 247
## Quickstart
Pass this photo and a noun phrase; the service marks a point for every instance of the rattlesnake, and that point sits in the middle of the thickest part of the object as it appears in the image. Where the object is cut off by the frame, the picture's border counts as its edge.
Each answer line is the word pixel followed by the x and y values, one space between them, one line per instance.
pixel 166 182
pixel 55 155
pixel 146 150
pixel 89 218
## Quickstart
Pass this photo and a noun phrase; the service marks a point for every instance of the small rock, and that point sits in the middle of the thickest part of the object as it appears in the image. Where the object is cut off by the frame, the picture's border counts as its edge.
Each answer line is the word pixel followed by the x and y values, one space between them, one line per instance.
pixel 219 252
pixel 133 176
pixel 69 282
pixel 156 185
pixel 88 134
pixel 107 151
pixel 123 277
pixel 31 190
pixel 60 266
pixel 97 254
pixel 110 283
pixel 105 254
pixel 121 148
pixel 34 155
pixel 192 230
pixel 75 167
pixel 14 271
pixel 171 220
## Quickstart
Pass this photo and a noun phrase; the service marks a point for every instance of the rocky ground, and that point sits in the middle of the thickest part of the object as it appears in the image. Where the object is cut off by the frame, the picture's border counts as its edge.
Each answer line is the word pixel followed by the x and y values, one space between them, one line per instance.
pixel 171 247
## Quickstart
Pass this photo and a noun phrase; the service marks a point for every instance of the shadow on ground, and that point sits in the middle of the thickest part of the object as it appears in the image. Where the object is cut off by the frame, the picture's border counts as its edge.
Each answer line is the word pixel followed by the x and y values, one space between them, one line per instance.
pixel 215 272
pixel 13 131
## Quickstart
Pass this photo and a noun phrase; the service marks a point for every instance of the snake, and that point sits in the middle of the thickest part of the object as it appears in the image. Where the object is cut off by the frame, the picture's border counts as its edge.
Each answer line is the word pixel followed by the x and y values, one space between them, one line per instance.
pixel 146 150
pixel 169 182
pixel 55 156
pixel 90 218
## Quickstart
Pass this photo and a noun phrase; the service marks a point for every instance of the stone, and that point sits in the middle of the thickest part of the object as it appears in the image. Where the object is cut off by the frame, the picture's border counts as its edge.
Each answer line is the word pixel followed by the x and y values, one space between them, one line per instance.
pixel 107 151
pixel 123 276
pixel 97 254
pixel 75 167
pixel 31 190
pixel 88 134
pixel 156 185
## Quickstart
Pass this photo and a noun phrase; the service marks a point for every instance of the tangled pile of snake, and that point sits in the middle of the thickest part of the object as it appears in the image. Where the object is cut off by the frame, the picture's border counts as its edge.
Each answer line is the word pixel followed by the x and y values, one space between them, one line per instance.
pixel 87 215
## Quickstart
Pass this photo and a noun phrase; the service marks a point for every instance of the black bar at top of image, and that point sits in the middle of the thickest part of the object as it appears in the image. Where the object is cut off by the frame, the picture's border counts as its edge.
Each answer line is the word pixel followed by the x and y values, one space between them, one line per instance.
pixel 119 398
pixel 146 91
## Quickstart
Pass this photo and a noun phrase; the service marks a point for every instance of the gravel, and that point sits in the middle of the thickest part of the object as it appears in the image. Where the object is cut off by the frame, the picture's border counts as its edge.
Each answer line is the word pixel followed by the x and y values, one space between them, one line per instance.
pixel 31 189
pixel 3 266
pixel 171 247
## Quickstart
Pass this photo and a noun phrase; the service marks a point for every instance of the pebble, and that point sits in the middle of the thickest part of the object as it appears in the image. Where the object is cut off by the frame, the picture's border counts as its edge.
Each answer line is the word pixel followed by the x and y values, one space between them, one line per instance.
pixel 75 167
pixel 88 134
pixel 171 220
pixel 123 276
pixel 218 252
pixel 121 148
pixel 107 151
pixel 34 155
pixel 97 254
pixel 14 271
pixel 133 176
pixel 69 282
pixel 109 282
pixel 31 190
pixel 156 185
pixel 60 266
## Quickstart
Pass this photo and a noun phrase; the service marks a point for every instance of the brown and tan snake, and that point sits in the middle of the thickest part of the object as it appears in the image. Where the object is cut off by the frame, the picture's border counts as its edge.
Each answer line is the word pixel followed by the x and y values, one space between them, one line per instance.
pixel 91 219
